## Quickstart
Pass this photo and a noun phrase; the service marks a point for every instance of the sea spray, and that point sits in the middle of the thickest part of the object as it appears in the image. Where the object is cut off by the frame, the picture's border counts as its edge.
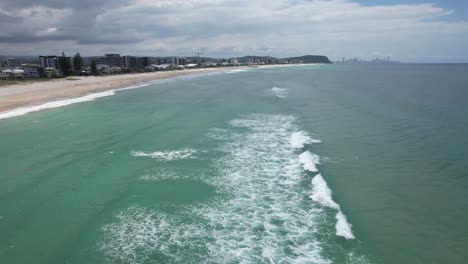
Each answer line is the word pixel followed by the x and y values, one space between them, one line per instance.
pixel 309 161
pixel 300 138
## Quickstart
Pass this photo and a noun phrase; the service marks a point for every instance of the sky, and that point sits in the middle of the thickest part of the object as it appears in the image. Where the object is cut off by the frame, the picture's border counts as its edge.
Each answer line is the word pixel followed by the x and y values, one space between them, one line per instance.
pixel 405 30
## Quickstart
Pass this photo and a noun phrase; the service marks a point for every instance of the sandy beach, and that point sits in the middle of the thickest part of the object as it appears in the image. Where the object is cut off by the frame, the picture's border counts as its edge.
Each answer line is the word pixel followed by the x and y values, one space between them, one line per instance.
pixel 35 93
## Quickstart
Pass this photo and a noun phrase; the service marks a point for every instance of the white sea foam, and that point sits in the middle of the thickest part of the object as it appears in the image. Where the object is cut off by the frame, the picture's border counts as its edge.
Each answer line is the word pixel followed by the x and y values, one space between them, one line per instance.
pixel 163 175
pixel 309 161
pixel 139 233
pixel 237 70
pixel 300 138
pixel 172 173
pixel 260 216
pixel 343 228
pixel 322 194
pixel 55 104
pixel 64 102
pixel 134 237
pixel 166 155
pixel 265 217
pixel 280 92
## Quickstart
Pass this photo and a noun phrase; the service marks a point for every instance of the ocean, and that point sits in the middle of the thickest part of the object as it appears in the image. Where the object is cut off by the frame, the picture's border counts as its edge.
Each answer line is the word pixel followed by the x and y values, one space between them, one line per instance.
pixel 307 164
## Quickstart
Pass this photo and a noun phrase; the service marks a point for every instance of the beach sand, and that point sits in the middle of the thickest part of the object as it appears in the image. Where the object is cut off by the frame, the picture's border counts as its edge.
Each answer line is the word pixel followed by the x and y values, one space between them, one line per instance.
pixel 35 93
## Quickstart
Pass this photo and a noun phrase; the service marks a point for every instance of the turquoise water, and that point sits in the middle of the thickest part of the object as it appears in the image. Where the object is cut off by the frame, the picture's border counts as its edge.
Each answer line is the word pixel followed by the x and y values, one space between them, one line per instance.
pixel 312 164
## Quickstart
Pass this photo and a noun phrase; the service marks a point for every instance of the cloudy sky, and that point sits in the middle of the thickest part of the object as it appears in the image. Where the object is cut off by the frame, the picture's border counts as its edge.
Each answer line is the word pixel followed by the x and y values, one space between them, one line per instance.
pixel 406 30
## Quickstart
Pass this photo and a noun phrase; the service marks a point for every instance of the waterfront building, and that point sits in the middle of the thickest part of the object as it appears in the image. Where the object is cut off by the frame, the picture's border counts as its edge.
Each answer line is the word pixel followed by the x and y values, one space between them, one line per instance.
pixel 31 71
pixel 113 60
pixel 10 63
pixel 233 61
pixel 130 62
pixel 51 72
pixel 13 63
pixel 49 62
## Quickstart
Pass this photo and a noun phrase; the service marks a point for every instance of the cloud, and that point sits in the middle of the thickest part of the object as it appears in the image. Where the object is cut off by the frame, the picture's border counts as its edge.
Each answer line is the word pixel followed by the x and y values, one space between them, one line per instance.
pixel 232 27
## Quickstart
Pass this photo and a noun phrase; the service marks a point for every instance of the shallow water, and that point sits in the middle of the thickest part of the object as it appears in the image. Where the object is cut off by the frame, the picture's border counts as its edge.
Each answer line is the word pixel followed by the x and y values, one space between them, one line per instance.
pixel 312 164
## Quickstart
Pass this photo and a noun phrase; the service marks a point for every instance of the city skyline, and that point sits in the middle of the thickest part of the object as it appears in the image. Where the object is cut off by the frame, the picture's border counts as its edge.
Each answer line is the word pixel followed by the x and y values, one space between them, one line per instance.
pixel 409 31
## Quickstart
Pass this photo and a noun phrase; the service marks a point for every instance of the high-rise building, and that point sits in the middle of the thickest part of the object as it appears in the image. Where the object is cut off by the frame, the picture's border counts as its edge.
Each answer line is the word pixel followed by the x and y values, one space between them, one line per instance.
pixel 130 62
pixel 113 60
pixel 49 62
pixel 181 61
pixel 101 60
pixel 10 63
pixel 145 61
pixel 13 63
pixel 64 64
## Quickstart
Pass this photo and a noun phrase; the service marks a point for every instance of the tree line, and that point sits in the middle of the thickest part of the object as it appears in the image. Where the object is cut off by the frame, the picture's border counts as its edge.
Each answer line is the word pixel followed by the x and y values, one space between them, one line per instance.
pixel 78 65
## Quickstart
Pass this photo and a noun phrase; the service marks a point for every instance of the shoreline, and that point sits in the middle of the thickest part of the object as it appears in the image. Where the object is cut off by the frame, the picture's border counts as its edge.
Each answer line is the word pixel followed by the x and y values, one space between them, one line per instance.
pixel 25 98
pixel 20 99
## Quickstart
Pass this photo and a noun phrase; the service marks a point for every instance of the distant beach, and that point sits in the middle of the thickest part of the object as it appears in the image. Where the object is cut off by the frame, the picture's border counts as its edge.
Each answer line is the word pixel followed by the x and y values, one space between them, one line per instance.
pixel 34 93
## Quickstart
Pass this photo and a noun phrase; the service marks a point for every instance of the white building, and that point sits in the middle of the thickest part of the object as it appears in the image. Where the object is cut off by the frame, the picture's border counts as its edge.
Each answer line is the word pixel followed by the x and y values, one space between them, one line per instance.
pixel 233 61
pixel 3 76
pixel 31 72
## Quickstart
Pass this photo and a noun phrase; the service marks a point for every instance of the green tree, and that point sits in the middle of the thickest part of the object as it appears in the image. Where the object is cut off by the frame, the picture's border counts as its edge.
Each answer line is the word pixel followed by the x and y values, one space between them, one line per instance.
pixel 94 68
pixel 65 64
pixel 78 62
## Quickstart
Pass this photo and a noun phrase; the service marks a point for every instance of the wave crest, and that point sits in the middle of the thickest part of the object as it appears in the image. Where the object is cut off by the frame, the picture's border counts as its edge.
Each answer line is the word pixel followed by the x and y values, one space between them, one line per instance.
pixel 322 194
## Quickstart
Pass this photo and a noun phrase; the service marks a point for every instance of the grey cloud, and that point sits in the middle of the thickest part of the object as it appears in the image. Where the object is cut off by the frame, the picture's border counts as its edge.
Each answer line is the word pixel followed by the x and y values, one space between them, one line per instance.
pixel 221 26
pixel 5 19
pixel 60 4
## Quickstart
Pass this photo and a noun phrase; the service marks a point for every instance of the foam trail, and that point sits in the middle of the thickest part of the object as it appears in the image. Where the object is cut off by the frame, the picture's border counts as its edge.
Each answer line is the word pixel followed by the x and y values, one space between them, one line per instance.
pixel 300 139
pixel 262 216
pixel 309 161
pixel 166 155
pixel 64 102
pixel 280 92
pixel 322 194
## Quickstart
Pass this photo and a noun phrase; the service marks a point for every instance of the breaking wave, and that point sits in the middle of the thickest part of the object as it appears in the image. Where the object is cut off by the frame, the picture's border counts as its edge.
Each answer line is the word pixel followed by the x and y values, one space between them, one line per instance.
pixel 261 215
pixel 309 161
pixel 300 138
pixel 322 194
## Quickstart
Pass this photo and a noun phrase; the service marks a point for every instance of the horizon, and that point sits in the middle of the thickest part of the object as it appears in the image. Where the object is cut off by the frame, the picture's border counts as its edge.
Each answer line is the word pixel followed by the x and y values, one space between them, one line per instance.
pixel 338 60
pixel 412 31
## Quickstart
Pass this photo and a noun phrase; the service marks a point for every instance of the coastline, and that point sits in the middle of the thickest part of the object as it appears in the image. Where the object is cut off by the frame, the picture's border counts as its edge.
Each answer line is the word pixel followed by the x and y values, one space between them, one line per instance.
pixel 29 97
